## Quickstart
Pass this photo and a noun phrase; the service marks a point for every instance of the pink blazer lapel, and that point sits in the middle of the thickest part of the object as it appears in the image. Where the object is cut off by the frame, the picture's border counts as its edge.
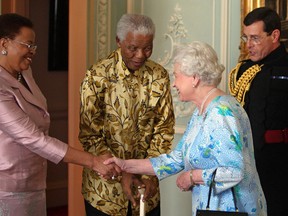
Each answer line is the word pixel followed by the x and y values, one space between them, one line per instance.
pixel 34 97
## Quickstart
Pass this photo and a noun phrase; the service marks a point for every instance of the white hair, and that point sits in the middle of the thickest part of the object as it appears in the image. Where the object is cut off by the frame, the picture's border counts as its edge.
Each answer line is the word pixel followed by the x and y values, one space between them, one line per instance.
pixel 135 23
pixel 200 59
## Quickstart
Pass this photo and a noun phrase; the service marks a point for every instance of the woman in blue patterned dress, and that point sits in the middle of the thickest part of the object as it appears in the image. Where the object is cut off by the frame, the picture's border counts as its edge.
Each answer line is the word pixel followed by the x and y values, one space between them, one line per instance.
pixel 218 137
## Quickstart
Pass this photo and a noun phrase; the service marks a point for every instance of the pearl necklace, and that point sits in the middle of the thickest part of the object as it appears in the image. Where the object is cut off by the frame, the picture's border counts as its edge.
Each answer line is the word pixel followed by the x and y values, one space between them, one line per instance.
pixel 205 99
pixel 19 77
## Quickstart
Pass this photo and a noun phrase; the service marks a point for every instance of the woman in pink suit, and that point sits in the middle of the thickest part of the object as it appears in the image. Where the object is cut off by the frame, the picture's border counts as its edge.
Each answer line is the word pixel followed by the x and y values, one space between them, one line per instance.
pixel 24 122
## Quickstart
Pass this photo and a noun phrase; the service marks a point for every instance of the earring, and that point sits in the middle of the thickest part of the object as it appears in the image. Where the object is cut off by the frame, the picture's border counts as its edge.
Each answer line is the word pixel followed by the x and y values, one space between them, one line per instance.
pixel 4 52
pixel 193 86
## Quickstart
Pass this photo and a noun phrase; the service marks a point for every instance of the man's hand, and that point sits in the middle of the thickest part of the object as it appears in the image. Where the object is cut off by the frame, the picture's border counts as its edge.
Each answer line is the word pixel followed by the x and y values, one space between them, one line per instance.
pixel 130 185
pixel 151 186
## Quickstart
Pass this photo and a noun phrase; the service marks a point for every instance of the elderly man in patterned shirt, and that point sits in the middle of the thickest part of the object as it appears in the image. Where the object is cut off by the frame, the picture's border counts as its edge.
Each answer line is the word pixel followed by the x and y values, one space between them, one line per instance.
pixel 127 112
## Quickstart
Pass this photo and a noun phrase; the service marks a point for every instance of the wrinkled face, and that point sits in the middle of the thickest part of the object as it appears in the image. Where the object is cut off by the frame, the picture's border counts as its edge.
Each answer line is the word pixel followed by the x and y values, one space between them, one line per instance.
pixel 183 84
pixel 135 50
pixel 19 55
pixel 259 43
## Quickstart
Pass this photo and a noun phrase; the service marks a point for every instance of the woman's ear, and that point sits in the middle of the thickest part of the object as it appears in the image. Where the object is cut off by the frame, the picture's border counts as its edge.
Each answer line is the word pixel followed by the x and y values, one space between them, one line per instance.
pixel 196 80
pixel 3 46
pixel 3 42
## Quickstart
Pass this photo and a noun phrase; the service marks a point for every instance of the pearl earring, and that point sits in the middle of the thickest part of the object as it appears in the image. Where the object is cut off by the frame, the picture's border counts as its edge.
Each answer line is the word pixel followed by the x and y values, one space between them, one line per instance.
pixel 4 52
pixel 193 86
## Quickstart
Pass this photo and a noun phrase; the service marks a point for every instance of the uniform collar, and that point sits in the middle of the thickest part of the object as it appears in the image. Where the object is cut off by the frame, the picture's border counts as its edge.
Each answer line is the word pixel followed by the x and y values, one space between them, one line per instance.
pixel 275 55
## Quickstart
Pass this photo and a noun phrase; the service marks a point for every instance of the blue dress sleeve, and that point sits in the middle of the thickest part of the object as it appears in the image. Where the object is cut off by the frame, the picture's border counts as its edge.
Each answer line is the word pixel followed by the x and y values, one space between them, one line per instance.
pixel 166 165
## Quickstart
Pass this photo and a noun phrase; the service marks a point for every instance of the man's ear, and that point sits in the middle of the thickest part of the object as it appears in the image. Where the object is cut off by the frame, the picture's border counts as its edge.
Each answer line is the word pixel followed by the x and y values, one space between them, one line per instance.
pixel 118 41
pixel 276 35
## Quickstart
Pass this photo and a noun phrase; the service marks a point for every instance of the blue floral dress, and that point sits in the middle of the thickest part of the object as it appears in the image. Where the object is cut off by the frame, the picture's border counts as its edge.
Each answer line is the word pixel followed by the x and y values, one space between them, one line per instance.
pixel 219 139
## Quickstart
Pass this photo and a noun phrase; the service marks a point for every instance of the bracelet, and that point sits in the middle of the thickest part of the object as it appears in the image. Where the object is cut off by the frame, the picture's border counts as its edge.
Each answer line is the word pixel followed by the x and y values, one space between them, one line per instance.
pixel 191 178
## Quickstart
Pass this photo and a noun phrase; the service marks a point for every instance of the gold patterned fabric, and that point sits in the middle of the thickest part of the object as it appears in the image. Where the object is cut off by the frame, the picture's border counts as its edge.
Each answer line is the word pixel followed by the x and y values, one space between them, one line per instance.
pixel 238 88
pixel 127 114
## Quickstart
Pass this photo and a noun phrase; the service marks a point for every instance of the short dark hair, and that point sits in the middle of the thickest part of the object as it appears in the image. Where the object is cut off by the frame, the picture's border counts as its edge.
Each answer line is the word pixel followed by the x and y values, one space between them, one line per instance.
pixel 270 18
pixel 11 23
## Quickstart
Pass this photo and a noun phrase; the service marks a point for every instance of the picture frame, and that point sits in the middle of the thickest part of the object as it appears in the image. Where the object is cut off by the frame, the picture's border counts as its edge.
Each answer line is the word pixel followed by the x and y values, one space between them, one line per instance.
pixel 281 7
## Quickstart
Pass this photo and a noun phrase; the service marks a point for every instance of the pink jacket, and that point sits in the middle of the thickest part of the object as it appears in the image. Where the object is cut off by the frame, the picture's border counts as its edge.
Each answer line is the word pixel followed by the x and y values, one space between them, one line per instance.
pixel 24 141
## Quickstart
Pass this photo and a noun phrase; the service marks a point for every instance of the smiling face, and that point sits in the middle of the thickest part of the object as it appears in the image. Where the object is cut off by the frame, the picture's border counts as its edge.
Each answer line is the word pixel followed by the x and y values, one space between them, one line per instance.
pixel 183 84
pixel 19 56
pixel 260 43
pixel 135 50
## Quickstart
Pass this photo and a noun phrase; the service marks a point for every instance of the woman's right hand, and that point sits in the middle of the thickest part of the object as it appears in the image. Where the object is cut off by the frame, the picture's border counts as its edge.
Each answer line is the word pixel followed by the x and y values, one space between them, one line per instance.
pixel 107 171
pixel 117 161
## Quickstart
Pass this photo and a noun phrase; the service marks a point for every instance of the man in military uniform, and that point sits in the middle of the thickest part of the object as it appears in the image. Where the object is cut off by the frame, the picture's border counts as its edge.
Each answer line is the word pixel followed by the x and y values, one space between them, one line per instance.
pixel 260 84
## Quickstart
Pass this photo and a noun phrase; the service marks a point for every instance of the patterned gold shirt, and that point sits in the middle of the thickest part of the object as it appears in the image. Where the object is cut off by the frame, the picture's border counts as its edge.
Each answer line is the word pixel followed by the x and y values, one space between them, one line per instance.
pixel 127 114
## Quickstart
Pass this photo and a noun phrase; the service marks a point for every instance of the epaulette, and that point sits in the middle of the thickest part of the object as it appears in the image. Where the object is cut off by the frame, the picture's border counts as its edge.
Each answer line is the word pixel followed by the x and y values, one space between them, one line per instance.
pixel 239 88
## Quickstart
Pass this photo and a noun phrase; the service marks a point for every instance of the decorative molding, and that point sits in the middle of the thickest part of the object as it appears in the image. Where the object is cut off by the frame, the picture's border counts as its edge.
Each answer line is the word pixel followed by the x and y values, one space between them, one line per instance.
pixel 99 26
pixel 175 35
pixel 224 56
pixel 103 15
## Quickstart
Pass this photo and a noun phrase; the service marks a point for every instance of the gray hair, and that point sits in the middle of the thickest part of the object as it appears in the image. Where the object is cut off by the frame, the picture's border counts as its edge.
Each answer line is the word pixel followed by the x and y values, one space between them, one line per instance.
pixel 200 59
pixel 135 23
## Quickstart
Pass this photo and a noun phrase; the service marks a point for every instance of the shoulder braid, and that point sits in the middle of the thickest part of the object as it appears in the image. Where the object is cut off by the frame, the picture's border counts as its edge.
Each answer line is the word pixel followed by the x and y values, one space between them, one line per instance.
pixel 239 88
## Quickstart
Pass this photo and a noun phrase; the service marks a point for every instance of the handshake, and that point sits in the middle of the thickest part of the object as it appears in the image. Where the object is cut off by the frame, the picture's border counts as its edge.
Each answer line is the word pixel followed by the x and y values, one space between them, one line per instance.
pixel 111 167
pixel 107 166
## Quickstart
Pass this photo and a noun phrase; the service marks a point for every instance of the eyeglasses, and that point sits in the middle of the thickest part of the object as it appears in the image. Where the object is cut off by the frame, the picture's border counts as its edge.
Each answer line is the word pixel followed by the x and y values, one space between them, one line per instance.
pixel 255 39
pixel 29 46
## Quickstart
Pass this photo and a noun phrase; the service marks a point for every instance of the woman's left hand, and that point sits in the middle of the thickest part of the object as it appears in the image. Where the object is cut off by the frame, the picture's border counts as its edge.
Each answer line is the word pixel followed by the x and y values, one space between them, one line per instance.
pixel 183 181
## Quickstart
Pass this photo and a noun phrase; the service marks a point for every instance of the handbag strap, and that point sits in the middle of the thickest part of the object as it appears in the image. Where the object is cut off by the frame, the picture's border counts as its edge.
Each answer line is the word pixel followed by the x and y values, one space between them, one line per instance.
pixel 210 190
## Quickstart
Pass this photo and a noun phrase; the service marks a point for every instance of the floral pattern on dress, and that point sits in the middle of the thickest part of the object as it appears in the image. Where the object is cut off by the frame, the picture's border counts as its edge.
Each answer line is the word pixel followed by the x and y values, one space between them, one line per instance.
pixel 219 139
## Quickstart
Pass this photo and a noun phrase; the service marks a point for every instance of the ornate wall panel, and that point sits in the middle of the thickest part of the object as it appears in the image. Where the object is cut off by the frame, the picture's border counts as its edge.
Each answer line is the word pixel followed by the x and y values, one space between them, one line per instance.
pixel 98 29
